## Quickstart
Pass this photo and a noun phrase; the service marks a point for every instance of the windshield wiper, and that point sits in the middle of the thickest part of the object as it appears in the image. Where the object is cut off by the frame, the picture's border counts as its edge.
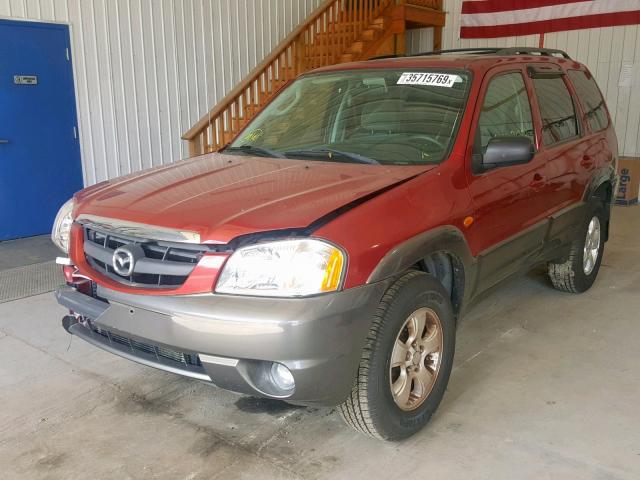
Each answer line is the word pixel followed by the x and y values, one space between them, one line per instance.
pixel 330 152
pixel 253 150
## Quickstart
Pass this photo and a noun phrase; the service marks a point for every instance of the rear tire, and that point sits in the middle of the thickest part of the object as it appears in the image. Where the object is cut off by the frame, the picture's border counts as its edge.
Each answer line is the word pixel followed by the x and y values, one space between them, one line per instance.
pixel 578 272
pixel 415 327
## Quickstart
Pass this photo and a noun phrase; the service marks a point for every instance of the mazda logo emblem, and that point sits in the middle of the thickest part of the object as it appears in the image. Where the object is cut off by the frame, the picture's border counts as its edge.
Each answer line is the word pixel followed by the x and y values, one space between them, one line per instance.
pixel 123 261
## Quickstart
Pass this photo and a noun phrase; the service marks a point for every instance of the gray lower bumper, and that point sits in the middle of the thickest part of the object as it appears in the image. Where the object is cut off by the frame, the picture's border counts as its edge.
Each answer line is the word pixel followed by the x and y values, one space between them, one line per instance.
pixel 320 339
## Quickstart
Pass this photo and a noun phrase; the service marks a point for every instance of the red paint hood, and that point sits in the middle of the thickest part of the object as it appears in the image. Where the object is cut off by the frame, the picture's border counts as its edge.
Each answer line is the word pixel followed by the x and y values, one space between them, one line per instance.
pixel 223 196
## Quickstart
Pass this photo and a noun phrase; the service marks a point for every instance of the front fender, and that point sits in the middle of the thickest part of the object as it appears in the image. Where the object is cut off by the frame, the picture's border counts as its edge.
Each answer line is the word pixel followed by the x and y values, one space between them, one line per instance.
pixel 447 239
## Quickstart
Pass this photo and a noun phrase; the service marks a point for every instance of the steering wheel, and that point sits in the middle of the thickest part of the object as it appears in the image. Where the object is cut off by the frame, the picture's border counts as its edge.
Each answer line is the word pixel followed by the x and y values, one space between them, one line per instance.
pixel 293 103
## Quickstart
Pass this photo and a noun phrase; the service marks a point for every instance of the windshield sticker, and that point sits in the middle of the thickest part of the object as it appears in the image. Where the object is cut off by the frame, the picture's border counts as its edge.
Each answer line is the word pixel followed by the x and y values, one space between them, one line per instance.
pixel 428 79
pixel 254 136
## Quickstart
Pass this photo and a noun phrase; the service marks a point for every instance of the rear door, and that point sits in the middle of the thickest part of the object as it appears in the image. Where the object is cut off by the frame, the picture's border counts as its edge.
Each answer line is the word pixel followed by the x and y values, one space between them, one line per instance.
pixel 567 154
pixel 39 151
pixel 571 153
pixel 600 145
pixel 510 220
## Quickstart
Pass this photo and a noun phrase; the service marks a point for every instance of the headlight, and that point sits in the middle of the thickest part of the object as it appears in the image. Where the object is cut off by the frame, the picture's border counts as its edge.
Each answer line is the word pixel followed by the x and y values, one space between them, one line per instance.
pixel 288 268
pixel 62 226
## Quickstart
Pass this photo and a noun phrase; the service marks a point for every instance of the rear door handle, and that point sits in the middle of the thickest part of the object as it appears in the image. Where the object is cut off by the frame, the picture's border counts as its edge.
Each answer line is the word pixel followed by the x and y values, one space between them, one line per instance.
pixel 538 181
pixel 4 141
pixel 587 161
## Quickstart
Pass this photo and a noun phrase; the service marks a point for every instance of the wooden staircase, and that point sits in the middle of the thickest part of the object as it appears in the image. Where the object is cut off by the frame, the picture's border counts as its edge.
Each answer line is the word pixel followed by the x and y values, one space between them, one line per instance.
pixel 338 31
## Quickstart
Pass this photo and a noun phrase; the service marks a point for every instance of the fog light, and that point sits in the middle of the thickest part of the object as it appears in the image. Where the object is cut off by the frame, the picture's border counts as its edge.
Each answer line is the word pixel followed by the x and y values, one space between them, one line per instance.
pixel 281 377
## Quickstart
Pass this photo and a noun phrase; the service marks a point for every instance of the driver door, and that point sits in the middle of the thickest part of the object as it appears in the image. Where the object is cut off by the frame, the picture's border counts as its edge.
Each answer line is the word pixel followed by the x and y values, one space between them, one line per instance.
pixel 509 221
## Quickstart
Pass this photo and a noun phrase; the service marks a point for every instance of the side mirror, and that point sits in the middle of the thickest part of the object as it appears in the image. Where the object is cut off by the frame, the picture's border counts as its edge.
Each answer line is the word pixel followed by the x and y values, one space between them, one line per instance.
pixel 507 151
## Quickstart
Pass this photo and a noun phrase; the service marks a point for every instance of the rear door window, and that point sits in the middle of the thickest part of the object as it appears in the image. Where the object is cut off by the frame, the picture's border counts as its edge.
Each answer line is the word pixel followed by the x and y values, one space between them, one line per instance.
pixel 506 111
pixel 559 120
pixel 591 99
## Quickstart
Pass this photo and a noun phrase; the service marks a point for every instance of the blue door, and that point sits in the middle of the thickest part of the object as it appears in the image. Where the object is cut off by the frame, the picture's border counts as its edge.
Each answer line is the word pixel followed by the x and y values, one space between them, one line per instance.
pixel 39 150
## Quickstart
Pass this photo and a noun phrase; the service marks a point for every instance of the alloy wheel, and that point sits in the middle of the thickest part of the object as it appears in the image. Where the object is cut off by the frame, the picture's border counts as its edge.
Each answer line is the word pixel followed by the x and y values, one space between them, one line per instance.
pixel 415 359
pixel 591 246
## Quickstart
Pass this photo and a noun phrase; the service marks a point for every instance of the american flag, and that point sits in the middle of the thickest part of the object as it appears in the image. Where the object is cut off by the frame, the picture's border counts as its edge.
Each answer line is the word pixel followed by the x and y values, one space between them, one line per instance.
pixel 508 18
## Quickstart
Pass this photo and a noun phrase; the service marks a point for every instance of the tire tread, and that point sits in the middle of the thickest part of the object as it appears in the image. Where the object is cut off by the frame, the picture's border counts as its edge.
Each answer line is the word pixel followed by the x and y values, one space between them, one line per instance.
pixel 567 276
pixel 562 275
pixel 355 409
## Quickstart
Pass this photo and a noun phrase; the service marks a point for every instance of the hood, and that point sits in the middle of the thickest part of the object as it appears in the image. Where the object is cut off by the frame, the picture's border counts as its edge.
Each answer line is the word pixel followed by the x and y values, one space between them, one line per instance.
pixel 224 196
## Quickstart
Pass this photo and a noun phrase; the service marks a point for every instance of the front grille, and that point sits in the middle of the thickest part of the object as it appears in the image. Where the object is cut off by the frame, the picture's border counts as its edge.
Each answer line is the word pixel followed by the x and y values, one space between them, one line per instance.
pixel 161 354
pixel 163 264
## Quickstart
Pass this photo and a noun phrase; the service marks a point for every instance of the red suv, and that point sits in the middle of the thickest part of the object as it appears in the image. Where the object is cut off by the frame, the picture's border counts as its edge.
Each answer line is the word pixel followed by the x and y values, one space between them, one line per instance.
pixel 327 253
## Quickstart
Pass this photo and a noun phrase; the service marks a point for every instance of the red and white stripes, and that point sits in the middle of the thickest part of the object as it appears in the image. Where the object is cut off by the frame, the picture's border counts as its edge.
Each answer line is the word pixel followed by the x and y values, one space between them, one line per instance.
pixel 507 18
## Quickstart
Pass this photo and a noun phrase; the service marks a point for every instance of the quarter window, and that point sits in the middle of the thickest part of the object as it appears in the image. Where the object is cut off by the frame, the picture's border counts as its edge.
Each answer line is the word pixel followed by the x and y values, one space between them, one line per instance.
pixel 591 99
pixel 506 111
pixel 559 122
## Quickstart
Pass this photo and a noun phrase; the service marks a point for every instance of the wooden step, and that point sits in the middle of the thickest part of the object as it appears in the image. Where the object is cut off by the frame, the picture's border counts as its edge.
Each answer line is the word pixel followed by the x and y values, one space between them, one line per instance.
pixel 370 34
pixel 332 40
pixel 357 47
pixel 379 23
pixel 338 37
pixel 318 62
pixel 348 57
pixel 315 59
pixel 282 75
pixel 276 85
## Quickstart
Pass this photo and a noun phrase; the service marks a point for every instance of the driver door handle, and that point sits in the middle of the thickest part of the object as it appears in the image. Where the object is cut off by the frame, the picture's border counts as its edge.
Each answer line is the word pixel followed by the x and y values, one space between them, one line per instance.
pixel 538 181
pixel 3 141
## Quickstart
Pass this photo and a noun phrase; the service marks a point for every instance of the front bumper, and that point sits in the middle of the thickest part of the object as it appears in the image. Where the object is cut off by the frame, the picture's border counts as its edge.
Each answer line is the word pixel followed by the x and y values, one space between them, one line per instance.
pixel 231 341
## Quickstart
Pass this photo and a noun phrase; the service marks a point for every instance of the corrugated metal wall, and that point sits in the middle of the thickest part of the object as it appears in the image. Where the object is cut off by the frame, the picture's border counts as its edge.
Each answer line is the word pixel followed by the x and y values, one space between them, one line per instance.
pixel 420 40
pixel 603 50
pixel 147 70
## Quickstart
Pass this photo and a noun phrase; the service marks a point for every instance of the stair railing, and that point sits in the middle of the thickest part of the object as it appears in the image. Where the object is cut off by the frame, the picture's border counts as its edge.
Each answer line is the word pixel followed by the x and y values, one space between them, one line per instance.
pixel 433 4
pixel 319 41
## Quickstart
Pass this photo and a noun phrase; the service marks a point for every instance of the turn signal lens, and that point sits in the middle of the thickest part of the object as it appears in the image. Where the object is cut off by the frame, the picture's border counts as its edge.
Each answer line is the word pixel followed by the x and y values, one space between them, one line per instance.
pixel 333 272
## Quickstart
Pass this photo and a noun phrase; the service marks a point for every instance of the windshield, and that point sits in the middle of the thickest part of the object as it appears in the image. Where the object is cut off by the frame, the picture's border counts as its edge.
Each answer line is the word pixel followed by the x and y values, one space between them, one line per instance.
pixel 374 116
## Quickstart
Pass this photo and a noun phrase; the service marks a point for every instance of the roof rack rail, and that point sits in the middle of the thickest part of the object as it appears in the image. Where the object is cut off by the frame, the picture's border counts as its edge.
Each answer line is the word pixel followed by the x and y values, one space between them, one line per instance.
pixel 550 52
pixel 384 57
pixel 438 52
pixel 478 51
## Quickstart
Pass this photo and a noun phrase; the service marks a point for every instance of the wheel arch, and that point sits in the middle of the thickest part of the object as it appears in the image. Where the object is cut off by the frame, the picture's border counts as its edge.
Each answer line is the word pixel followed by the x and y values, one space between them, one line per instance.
pixel 601 182
pixel 429 248
pixel 602 185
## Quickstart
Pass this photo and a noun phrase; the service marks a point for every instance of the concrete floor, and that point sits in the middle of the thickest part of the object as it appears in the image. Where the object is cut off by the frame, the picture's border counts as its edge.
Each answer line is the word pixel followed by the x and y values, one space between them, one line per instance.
pixel 546 386
pixel 27 251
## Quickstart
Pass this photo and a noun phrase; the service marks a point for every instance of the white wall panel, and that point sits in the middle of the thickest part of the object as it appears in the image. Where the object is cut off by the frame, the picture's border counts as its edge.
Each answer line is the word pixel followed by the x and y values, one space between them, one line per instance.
pixel 147 70
pixel 419 40
pixel 603 50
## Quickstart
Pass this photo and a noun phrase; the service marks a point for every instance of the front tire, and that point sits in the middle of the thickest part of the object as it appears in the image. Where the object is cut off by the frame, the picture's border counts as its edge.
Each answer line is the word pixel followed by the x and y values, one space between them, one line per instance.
pixel 406 361
pixel 578 272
